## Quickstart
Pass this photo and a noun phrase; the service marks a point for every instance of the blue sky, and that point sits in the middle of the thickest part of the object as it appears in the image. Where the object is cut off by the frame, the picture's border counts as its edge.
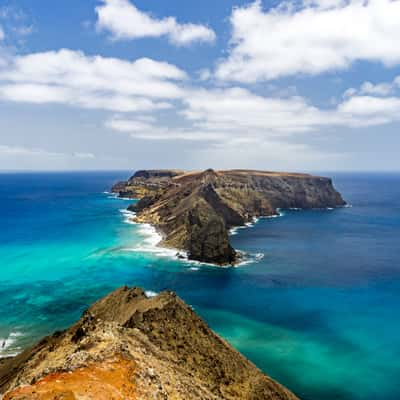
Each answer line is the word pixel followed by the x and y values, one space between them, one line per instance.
pixel 118 84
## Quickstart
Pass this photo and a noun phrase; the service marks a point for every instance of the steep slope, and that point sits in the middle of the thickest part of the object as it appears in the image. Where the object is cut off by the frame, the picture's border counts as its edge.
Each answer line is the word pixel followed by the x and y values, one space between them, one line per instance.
pixel 194 211
pixel 128 346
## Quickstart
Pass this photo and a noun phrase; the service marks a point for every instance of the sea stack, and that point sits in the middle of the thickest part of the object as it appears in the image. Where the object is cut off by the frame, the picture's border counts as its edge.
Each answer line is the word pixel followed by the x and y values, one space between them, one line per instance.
pixel 194 211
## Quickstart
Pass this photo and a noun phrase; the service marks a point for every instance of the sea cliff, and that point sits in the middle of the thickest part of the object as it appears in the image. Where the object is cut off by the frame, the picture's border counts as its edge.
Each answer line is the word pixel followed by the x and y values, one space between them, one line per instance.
pixel 129 346
pixel 194 211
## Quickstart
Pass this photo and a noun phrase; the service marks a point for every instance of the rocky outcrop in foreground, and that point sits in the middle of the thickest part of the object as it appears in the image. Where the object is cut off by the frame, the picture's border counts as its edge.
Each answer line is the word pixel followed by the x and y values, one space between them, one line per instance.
pixel 128 346
pixel 195 210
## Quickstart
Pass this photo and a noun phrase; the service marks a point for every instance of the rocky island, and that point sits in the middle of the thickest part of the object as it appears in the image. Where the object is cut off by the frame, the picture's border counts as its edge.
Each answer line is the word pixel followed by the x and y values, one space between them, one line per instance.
pixel 129 346
pixel 194 211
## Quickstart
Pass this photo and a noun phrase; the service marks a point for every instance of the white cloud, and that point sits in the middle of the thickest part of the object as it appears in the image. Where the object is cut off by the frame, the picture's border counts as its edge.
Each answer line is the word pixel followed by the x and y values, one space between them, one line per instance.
pixel 138 129
pixel 204 74
pixel 324 4
pixel 21 151
pixel 33 158
pixel 375 89
pixel 236 115
pixel 267 154
pixel 84 155
pixel 315 37
pixel 125 21
pixel 73 78
pixel 15 22
pixel 386 109
pixel 6 150
pixel 24 30
pixel 381 89
pixel 18 150
pixel 349 92
pixel 13 13
pixel 128 125
pixel 239 113
pixel 214 115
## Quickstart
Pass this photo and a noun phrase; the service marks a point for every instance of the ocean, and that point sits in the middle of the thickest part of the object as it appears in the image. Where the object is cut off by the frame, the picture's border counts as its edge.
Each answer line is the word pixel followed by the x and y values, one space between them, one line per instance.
pixel 316 306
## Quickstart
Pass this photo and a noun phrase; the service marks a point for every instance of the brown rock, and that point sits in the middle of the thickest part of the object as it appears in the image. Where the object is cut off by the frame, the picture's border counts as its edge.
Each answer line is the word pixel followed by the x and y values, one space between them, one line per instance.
pixel 195 210
pixel 134 347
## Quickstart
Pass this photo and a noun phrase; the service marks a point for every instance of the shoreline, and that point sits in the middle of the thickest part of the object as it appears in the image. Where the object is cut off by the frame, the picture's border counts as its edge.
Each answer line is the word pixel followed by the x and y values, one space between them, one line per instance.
pixel 6 345
pixel 198 211
pixel 155 237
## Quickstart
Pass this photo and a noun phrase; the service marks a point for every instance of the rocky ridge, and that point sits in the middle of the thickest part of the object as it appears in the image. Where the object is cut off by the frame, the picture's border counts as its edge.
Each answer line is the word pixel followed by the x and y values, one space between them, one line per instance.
pixel 194 211
pixel 129 346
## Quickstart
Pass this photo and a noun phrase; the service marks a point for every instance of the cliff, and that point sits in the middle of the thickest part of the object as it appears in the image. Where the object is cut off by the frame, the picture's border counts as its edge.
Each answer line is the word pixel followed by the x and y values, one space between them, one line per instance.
pixel 195 210
pixel 128 346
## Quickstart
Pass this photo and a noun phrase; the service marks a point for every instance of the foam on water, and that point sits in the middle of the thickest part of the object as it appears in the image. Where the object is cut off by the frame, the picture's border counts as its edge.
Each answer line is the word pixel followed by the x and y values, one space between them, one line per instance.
pixel 234 230
pixel 249 259
pixel 7 345
pixel 279 213
pixel 320 309
pixel 116 196
pixel 128 216
pixel 151 238
pixel 150 243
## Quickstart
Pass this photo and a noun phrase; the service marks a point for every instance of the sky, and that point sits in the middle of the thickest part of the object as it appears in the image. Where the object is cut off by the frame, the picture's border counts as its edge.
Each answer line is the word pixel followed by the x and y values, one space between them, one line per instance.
pixel 300 85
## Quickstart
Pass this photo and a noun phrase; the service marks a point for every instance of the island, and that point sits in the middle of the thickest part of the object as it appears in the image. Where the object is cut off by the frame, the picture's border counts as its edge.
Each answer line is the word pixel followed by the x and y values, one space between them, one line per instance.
pixel 194 211
pixel 132 346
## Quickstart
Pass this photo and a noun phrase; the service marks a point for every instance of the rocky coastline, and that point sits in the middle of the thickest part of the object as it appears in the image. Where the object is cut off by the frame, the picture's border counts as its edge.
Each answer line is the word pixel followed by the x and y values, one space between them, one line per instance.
pixel 194 211
pixel 131 346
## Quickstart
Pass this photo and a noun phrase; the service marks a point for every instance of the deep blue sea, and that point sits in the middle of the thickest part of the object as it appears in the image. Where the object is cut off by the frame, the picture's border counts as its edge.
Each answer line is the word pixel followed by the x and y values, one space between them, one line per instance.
pixel 319 312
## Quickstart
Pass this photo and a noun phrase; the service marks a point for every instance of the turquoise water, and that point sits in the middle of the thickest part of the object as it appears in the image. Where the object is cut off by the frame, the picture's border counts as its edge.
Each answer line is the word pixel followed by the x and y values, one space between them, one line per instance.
pixel 319 312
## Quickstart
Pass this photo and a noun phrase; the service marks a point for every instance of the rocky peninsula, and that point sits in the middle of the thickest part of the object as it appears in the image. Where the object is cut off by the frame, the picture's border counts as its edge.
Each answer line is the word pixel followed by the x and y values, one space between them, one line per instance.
pixel 194 211
pixel 129 346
